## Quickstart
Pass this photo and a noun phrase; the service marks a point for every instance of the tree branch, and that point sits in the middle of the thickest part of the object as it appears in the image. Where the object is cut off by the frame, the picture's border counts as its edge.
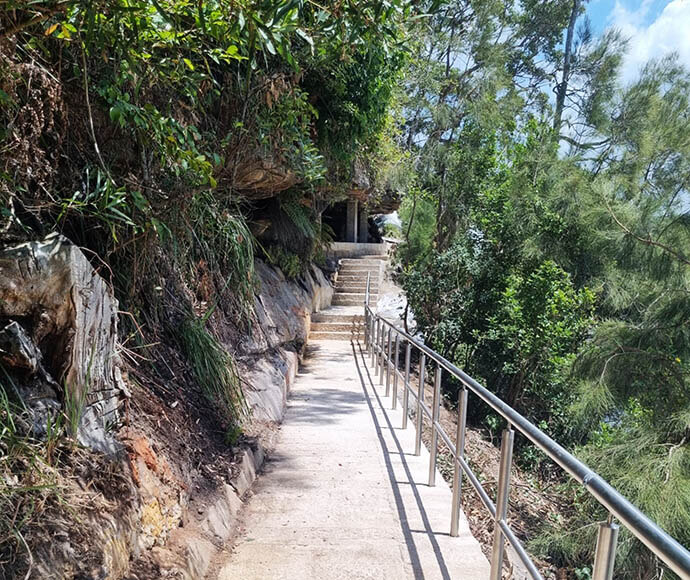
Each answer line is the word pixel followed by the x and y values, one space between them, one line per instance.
pixel 35 20
pixel 648 241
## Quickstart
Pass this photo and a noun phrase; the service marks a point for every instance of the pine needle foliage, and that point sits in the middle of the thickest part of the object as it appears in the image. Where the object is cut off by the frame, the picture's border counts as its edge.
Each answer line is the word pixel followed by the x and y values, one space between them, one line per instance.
pixel 551 256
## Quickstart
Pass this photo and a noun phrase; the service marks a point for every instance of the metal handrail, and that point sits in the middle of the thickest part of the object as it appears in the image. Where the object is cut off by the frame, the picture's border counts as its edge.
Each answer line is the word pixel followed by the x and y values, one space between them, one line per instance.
pixel 366 294
pixel 379 346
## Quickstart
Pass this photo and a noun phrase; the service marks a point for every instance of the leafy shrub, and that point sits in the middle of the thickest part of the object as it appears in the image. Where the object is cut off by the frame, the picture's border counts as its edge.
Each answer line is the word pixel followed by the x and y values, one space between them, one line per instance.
pixel 284 125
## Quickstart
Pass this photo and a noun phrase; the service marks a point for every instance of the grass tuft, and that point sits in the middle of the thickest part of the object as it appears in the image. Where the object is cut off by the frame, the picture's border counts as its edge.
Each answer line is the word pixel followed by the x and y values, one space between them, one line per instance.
pixel 28 479
pixel 214 369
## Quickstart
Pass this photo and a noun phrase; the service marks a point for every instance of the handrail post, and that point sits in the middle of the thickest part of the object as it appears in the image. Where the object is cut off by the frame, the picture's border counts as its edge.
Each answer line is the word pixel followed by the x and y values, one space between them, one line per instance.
pixel 605 555
pixel 379 336
pixel 383 352
pixel 406 386
pixel 374 335
pixel 395 371
pixel 502 502
pixel 389 361
pixel 433 450
pixel 366 328
pixel 374 338
pixel 457 470
pixel 376 345
pixel 420 398
pixel 366 295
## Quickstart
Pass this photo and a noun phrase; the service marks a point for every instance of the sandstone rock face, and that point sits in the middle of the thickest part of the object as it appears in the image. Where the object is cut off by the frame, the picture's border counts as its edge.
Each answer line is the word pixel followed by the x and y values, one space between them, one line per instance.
pixel 59 336
pixel 262 178
pixel 386 201
pixel 284 308
pixel 268 357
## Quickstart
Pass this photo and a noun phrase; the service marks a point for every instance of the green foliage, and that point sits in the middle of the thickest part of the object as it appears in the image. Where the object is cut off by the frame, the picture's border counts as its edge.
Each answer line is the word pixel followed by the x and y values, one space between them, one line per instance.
pixel 74 406
pixel 391 230
pixel 300 216
pixel 285 126
pixel 289 263
pixel 214 370
pixel 352 96
pixel 218 234
pixel 417 213
pixel 172 143
pixel 100 200
pixel 656 480
pixel 561 281
pixel 232 435
pixel 528 346
pixel 296 236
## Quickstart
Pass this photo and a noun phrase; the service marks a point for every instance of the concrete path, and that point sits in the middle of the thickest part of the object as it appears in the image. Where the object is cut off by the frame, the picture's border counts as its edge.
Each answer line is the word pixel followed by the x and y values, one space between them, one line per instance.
pixel 342 496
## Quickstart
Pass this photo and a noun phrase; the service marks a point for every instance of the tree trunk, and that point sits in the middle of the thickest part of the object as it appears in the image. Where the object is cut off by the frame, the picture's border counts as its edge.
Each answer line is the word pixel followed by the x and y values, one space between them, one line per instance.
pixel 562 87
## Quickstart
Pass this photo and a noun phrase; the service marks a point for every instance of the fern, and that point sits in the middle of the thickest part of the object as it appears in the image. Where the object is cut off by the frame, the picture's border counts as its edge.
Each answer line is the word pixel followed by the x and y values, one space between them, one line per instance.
pixel 300 216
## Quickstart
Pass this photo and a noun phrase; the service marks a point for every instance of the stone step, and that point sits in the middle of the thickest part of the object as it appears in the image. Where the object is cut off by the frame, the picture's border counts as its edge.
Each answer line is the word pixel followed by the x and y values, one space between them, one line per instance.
pixel 336 318
pixel 357 278
pixel 361 265
pixel 335 326
pixel 350 295
pixel 333 336
pixel 362 281
pixel 359 262
pixel 355 288
pixel 347 301
pixel 359 269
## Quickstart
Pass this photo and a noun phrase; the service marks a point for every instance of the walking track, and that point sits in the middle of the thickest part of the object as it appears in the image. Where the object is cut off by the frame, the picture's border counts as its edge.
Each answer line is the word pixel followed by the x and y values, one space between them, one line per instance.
pixel 343 496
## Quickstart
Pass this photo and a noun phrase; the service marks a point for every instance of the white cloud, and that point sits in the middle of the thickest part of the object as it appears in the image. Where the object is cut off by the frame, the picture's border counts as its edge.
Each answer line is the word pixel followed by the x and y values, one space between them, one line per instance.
pixel 669 32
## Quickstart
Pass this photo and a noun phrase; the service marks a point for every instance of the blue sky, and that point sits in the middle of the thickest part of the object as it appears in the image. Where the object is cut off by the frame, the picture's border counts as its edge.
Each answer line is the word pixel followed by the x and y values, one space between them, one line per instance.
pixel 654 28
pixel 601 12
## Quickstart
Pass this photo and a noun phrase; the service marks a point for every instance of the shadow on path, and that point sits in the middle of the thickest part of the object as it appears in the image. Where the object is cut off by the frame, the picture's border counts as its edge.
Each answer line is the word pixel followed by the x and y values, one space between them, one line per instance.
pixel 322 406
pixel 367 386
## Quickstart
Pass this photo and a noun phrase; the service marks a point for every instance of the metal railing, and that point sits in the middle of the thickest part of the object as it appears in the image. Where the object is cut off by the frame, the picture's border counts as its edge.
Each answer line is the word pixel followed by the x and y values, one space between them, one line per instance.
pixel 383 344
pixel 366 293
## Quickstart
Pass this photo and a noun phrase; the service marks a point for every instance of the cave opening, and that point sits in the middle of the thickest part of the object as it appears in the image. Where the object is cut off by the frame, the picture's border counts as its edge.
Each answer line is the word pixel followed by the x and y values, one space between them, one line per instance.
pixel 350 222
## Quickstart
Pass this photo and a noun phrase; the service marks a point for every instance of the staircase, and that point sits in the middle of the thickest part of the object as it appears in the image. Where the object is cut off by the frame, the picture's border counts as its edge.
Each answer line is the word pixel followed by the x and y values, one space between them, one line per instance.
pixel 342 320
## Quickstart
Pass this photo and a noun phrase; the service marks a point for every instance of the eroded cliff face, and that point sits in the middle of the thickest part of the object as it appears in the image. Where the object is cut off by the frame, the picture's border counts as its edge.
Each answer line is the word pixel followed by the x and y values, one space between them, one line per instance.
pixel 152 480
